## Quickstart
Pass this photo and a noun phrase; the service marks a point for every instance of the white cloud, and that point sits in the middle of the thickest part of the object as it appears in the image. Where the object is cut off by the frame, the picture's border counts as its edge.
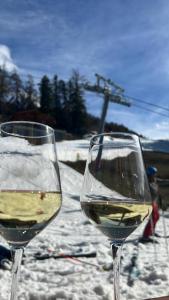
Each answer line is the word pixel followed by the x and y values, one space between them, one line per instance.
pixel 164 125
pixel 157 130
pixel 6 60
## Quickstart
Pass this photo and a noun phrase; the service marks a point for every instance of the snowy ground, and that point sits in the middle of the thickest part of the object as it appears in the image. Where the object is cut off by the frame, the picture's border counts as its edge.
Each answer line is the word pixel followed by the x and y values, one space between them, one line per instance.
pixel 90 278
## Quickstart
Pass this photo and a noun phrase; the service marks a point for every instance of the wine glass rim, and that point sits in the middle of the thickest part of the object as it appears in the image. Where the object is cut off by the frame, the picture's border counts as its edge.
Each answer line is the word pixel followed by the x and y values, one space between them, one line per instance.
pixel 49 131
pixel 125 134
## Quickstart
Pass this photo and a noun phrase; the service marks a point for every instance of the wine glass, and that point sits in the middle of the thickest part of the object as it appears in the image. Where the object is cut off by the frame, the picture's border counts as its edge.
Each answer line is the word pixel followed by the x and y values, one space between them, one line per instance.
pixel 30 189
pixel 115 194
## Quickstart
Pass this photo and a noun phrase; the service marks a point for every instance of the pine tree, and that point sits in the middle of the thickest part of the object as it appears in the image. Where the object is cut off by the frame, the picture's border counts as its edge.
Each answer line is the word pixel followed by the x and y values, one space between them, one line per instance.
pixel 45 89
pixel 4 84
pixel 15 88
pixel 56 101
pixel 30 97
pixel 64 99
pixel 77 105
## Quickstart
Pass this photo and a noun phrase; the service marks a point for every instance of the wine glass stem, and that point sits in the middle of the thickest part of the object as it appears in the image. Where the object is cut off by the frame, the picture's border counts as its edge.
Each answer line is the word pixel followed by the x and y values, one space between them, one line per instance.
pixel 18 252
pixel 116 253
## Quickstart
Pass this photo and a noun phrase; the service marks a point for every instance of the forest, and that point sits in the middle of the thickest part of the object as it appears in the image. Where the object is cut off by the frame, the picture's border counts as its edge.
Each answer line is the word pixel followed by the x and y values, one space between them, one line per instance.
pixel 52 101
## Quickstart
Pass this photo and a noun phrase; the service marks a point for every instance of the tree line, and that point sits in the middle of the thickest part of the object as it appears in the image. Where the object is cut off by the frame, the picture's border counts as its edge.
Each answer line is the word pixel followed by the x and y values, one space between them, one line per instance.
pixel 64 101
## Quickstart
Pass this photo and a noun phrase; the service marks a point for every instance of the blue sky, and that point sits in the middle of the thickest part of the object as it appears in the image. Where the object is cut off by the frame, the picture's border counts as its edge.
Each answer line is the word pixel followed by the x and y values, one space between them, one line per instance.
pixel 124 40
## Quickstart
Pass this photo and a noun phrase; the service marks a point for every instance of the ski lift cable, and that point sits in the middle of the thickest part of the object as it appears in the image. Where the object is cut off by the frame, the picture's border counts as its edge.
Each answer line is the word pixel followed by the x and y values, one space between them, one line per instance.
pixel 148 103
pixel 145 102
pixel 151 110
pixel 139 106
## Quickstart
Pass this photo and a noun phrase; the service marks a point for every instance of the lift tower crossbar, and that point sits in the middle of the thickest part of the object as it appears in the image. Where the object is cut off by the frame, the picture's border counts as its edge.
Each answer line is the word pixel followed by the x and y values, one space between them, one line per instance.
pixel 111 93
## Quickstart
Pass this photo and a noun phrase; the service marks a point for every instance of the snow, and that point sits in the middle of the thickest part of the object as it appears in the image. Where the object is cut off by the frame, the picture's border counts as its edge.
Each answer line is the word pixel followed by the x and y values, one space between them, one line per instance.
pixel 89 278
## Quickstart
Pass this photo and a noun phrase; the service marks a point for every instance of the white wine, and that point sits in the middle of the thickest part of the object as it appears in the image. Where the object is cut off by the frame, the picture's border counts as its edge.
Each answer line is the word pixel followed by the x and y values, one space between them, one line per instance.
pixel 116 219
pixel 23 214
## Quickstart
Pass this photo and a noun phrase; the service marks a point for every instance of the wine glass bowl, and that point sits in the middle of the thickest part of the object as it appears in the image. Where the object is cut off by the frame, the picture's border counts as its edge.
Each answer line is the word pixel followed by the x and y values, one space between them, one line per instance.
pixel 30 189
pixel 115 194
